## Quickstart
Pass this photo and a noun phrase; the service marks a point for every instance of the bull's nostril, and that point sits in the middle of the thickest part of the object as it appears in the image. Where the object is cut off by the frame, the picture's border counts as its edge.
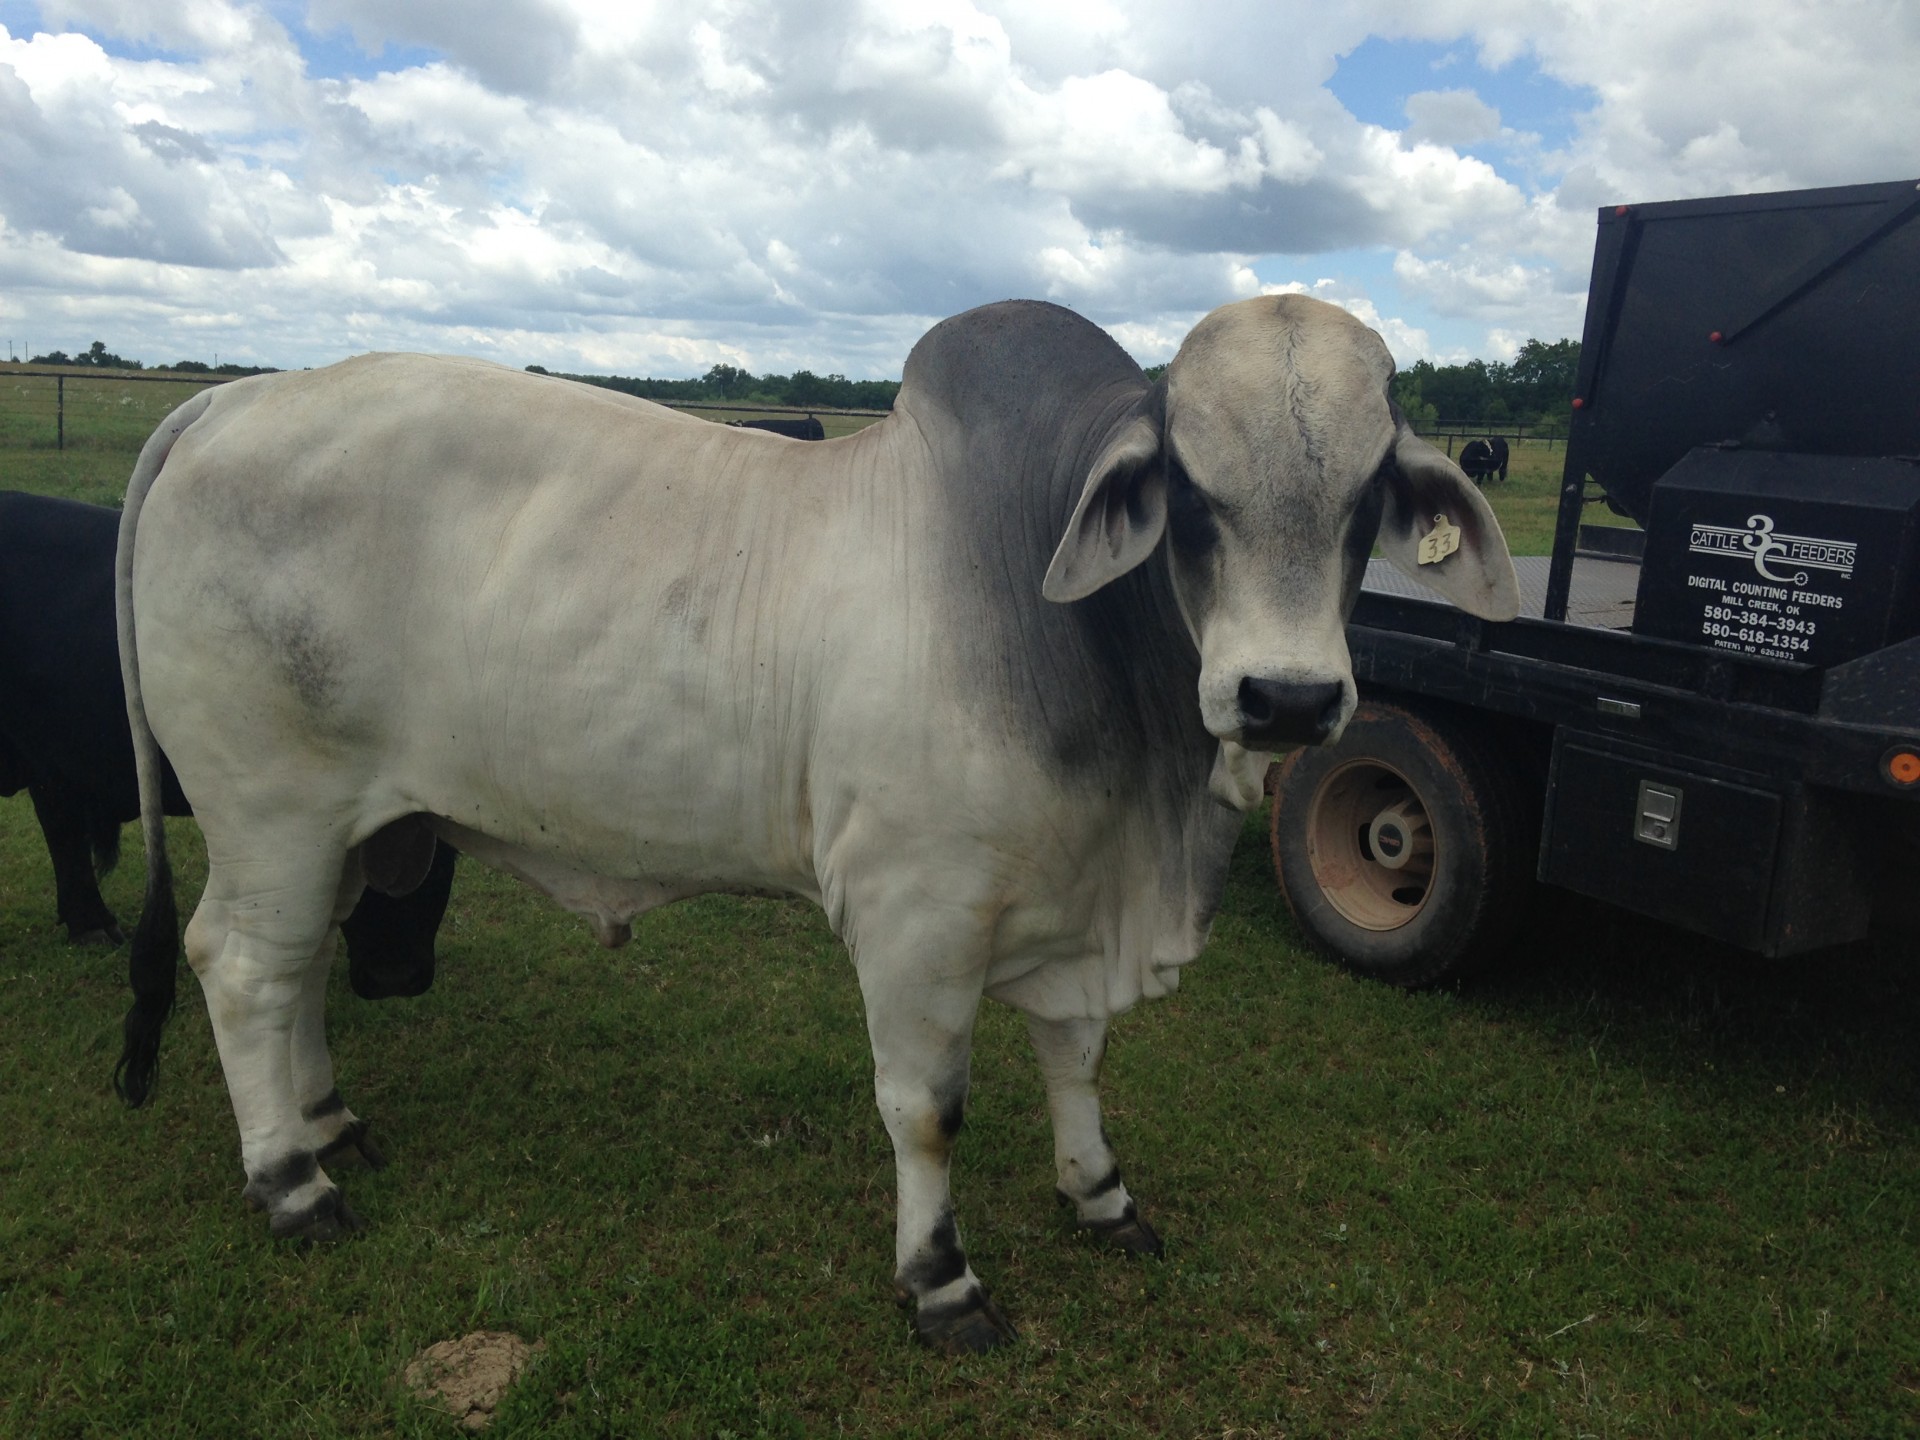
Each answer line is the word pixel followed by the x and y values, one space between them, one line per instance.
pixel 1289 712
pixel 1256 704
pixel 1330 712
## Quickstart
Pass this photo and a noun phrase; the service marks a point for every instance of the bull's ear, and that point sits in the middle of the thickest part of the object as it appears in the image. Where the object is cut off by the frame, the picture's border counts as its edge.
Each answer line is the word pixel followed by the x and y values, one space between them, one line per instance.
pixel 1119 519
pixel 1423 484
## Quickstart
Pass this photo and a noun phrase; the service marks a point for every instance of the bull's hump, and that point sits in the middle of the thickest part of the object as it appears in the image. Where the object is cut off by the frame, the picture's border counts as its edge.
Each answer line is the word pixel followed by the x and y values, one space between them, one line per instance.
pixel 998 359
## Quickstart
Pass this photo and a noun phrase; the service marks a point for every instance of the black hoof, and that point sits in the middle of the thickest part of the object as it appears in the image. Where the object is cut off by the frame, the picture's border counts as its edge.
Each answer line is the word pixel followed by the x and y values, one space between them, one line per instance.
pixel 972 1325
pixel 106 936
pixel 1127 1232
pixel 355 1138
pixel 327 1218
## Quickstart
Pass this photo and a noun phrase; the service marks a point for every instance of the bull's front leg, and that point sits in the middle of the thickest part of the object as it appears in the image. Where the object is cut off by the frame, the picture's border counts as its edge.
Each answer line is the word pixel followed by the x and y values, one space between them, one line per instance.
pixel 1087 1173
pixel 921 1027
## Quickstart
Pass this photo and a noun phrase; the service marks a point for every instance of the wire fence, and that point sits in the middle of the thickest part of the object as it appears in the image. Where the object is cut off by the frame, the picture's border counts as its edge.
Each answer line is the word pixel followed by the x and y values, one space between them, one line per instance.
pixel 1448 431
pixel 41 409
pixel 107 412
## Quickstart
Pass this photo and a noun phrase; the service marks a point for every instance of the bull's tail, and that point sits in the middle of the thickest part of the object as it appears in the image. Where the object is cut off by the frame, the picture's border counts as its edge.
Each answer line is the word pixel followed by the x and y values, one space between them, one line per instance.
pixel 154 959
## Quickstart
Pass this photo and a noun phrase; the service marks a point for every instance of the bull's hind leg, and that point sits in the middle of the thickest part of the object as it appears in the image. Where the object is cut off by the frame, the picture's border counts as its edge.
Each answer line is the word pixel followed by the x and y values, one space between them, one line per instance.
pixel 1087 1174
pixel 72 831
pixel 920 1021
pixel 333 1129
pixel 255 941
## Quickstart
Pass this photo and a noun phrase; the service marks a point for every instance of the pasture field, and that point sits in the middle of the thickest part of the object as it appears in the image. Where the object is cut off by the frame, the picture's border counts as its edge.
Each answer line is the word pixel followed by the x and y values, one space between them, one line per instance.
pixel 108 419
pixel 110 414
pixel 1634 1185
pixel 1528 500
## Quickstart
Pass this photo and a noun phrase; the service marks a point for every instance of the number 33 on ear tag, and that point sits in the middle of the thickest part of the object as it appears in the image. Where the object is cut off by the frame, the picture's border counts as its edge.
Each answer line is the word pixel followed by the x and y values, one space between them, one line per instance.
pixel 1440 542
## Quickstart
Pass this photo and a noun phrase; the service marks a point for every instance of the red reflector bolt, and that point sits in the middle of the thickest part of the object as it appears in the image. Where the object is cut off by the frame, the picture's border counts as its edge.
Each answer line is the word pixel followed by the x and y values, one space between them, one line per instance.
pixel 1619 209
pixel 1902 768
pixel 1579 402
pixel 1715 338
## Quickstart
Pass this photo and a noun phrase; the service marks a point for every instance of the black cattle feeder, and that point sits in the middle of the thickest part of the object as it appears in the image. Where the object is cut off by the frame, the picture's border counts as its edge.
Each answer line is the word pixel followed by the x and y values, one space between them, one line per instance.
pixel 1708 714
pixel 794 429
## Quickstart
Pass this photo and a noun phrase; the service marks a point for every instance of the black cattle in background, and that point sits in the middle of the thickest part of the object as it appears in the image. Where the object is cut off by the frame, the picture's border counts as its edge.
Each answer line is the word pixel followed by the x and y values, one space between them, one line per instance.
pixel 807 429
pixel 64 739
pixel 1481 458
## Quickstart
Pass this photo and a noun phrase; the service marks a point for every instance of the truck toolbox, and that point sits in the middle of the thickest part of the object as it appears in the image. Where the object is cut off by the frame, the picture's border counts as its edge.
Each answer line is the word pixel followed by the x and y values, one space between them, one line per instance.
pixel 1769 867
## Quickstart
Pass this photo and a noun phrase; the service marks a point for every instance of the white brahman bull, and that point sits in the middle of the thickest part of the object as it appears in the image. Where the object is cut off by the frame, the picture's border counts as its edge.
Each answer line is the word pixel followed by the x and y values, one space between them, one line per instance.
pixel 990 681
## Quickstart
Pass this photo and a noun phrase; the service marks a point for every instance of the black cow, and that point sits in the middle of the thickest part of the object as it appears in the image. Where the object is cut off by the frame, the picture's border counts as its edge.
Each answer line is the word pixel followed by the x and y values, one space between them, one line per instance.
pixel 1481 458
pixel 807 429
pixel 64 739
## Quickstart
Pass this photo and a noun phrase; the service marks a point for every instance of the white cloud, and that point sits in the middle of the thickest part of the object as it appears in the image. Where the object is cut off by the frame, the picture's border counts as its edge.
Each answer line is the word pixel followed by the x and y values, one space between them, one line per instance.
pixel 517 46
pixel 1407 343
pixel 582 182
pixel 1450 117
pixel 115 181
pixel 194 26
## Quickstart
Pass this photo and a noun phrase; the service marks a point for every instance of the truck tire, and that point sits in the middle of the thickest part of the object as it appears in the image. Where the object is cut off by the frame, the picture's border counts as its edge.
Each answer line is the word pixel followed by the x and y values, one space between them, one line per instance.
pixel 1404 849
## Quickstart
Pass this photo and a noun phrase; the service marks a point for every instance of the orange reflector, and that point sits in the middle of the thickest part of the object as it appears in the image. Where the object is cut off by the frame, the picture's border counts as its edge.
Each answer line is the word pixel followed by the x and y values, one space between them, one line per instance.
pixel 1903 767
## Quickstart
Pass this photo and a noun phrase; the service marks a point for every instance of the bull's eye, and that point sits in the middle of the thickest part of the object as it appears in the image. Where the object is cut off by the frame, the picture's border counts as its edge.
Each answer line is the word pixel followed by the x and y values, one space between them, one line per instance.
pixel 1364 526
pixel 1190 520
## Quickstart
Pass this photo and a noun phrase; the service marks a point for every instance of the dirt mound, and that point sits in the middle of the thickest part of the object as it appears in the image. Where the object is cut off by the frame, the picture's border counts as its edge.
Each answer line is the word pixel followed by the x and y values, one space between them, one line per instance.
pixel 469 1377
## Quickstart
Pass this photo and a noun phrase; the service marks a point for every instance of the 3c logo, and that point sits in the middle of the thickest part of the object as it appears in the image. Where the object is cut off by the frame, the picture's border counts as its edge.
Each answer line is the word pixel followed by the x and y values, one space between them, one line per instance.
pixel 1761 543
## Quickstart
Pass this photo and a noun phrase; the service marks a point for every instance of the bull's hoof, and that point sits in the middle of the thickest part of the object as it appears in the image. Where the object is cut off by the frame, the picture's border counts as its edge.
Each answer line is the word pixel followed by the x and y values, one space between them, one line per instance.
pixel 327 1218
pixel 107 937
pixel 971 1325
pixel 356 1139
pixel 1127 1232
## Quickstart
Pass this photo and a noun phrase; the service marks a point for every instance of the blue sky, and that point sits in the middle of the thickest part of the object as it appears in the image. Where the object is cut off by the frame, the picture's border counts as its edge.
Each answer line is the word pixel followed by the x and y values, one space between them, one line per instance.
pixel 1374 80
pixel 654 189
pixel 1538 120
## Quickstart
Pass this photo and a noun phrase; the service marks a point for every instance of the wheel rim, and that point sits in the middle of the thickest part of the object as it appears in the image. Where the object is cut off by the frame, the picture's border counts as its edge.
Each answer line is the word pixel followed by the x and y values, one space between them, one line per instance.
pixel 1371 844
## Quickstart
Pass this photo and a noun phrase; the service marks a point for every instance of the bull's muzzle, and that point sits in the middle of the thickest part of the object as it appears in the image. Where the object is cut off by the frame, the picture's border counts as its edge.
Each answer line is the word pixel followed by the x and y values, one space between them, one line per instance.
pixel 1284 713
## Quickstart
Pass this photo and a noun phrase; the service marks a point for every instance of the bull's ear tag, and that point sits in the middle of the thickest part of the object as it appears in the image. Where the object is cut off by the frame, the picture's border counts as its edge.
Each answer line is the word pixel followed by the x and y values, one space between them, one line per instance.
pixel 1440 542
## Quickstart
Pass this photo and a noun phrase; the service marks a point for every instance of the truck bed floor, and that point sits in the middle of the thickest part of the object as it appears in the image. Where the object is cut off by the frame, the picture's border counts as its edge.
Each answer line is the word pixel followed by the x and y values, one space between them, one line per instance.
pixel 1603 590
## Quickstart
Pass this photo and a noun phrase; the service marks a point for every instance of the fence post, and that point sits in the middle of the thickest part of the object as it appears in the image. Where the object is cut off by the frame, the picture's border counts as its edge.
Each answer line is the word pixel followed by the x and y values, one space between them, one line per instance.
pixel 60 413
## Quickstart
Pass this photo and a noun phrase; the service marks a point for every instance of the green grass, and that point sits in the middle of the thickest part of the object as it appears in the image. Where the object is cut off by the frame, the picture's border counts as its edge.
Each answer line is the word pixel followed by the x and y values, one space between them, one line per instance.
pixel 108 419
pixel 1637 1187
pixel 1634 1186
pixel 1528 500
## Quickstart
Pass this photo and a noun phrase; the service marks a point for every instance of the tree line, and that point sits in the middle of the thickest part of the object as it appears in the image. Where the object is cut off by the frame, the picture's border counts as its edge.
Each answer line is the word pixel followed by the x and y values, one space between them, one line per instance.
pixel 1535 389
pixel 98 356
pixel 728 383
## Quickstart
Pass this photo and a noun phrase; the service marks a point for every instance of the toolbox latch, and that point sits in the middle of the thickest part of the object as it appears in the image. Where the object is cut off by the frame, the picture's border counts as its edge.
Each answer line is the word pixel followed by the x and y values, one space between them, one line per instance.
pixel 1659 815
